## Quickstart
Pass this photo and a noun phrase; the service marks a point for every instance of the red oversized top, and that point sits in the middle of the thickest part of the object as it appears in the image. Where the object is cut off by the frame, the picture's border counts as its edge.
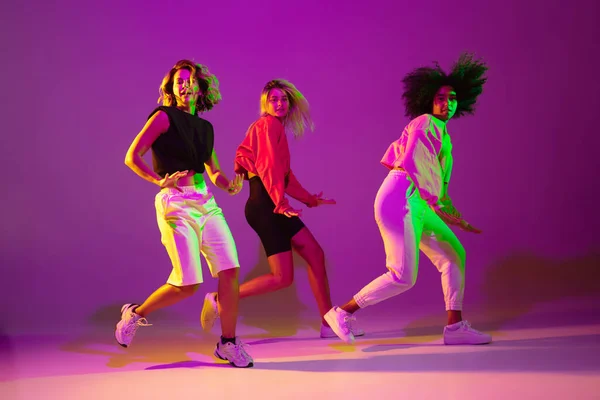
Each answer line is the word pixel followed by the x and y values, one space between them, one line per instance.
pixel 265 153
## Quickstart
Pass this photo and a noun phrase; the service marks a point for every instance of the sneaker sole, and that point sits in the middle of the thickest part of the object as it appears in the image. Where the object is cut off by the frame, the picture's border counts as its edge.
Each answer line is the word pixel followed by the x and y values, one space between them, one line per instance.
pixel 207 323
pixel 125 306
pixel 117 339
pixel 466 344
pixel 336 336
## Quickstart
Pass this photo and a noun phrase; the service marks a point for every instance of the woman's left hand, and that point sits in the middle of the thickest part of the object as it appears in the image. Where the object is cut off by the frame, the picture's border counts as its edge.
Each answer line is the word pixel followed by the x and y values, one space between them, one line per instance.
pixel 235 186
pixel 322 200
pixel 449 207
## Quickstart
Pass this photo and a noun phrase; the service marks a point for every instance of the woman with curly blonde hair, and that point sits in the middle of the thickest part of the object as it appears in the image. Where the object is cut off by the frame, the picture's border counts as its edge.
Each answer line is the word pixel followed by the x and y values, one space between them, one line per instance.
pixel 189 219
pixel 263 158
pixel 412 207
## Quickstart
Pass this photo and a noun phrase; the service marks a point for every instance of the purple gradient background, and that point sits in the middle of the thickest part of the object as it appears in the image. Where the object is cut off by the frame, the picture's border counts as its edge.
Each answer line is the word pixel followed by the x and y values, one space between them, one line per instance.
pixel 79 235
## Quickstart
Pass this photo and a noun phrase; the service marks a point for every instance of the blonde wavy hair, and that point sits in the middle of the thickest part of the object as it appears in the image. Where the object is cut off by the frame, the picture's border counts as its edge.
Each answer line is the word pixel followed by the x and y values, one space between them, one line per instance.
pixel 298 119
pixel 208 83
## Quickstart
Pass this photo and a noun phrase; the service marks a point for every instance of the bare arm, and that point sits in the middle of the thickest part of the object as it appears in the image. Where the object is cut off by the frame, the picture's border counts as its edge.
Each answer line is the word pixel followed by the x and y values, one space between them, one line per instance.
pixel 156 125
pixel 216 176
pixel 295 189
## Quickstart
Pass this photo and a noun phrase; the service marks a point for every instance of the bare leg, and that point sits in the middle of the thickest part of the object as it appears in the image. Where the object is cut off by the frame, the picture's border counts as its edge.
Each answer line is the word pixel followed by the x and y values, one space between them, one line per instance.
pixel 228 294
pixel 281 276
pixel 165 296
pixel 351 306
pixel 454 316
pixel 310 250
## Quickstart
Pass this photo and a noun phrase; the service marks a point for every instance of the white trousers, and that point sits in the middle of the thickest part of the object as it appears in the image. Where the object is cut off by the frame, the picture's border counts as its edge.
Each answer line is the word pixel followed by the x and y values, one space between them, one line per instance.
pixel 408 224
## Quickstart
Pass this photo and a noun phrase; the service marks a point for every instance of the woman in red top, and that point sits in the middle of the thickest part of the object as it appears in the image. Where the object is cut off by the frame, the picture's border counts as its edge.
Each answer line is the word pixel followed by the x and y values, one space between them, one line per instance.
pixel 263 158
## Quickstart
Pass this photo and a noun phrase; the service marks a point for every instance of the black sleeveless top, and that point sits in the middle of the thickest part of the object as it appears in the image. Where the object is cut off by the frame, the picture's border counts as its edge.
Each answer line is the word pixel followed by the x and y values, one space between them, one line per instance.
pixel 187 145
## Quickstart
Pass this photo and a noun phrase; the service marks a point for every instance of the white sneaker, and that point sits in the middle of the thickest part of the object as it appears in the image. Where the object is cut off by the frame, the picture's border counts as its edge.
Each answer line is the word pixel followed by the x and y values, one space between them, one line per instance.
pixel 339 321
pixel 327 332
pixel 210 311
pixel 462 333
pixel 236 353
pixel 128 325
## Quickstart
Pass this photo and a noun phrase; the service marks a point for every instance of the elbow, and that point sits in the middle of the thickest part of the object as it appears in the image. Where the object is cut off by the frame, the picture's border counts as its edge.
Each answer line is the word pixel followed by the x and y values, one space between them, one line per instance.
pixel 129 159
pixel 218 176
pixel 409 164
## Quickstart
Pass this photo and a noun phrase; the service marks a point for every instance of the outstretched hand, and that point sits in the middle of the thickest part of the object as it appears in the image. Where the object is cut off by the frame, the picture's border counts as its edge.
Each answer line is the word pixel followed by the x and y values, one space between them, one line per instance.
pixel 465 226
pixel 449 207
pixel 235 186
pixel 452 219
pixel 322 200
pixel 170 181
pixel 447 217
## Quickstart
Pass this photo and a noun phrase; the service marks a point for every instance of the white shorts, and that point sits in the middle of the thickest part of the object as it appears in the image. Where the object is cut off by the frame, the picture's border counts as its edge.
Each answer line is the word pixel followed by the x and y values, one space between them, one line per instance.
pixel 191 223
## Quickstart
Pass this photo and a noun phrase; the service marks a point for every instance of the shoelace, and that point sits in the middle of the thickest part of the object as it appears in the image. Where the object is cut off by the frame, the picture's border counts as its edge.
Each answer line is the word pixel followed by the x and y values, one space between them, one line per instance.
pixel 353 327
pixel 466 326
pixel 348 321
pixel 131 329
pixel 239 351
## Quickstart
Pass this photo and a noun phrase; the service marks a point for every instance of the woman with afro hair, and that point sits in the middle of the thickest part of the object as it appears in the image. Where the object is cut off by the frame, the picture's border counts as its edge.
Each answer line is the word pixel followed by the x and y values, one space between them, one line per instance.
pixel 412 207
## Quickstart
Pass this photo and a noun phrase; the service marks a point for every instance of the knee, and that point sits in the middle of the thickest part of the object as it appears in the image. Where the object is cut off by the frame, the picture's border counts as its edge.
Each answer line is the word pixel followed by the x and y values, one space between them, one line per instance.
pixel 284 280
pixel 231 274
pixel 412 282
pixel 189 289
pixel 402 278
pixel 308 247
pixel 312 253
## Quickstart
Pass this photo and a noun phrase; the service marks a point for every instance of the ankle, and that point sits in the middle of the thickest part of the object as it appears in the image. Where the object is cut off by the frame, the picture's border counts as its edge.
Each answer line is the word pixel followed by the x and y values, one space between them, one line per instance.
pixel 349 310
pixel 136 310
pixel 454 317
pixel 225 340
pixel 351 307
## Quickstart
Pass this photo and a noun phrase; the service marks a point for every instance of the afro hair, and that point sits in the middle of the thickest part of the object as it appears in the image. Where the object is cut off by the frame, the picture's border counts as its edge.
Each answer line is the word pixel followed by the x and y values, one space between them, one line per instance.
pixel 466 78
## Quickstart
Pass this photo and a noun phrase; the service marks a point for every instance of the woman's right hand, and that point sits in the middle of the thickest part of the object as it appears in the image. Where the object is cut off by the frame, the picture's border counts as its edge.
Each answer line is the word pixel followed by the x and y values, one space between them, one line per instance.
pixel 467 227
pixel 456 221
pixel 170 181
pixel 291 212
pixel 322 200
pixel 447 216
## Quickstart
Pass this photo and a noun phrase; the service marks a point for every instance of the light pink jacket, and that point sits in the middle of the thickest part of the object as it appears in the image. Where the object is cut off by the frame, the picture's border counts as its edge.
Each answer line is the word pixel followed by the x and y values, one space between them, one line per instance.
pixel 424 151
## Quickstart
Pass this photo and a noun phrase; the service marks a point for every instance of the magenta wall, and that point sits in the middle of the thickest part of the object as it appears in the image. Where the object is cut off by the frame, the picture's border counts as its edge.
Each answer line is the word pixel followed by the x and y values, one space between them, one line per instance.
pixel 79 236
